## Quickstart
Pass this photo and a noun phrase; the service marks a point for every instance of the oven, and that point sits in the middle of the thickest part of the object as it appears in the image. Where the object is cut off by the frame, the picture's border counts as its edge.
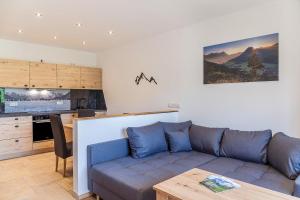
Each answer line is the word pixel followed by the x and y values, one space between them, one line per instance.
pixel 42 130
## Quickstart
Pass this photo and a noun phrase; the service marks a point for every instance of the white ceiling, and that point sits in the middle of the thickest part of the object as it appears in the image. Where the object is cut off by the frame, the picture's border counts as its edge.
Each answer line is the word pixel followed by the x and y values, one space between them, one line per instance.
pixel 129 19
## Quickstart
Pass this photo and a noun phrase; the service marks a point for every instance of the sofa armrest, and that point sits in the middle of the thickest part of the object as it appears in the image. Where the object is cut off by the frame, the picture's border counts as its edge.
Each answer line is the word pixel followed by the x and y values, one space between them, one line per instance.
pixel 106 151
pixel 103 152
pixel 297 187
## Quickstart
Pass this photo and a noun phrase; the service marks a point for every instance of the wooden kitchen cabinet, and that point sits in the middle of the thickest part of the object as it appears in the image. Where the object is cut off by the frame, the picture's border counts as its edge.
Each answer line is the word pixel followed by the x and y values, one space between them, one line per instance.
pixel 14 73
pixel 15 136
pixel 43 75
pixel 68 77
pixel 90 78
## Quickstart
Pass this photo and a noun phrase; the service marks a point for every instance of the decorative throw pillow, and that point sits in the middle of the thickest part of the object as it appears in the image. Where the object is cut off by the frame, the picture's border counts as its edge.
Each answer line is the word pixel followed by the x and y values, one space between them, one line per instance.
pixel 284 155
pixel 179 141
pixel 146 140
pixel 180 126
pixel 246 145
pixel 206 140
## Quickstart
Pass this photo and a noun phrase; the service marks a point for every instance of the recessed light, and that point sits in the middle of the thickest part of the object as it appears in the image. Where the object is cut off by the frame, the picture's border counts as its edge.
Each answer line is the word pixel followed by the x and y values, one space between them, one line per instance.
pixel 83 43
pixel 110 32
pixel 54 37
pixel 78 24
pixel 38 14
pixel 20 31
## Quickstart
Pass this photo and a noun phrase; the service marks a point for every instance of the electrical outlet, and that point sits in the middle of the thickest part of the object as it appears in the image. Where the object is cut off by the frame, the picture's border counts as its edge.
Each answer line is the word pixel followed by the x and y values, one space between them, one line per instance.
pixel 174 105
pixel 13 104
pixel 59 103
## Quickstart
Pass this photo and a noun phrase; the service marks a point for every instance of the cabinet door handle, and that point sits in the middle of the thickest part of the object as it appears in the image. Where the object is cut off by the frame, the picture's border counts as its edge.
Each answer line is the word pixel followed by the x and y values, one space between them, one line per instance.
pixel 16 118
pixel 25 85
pixel 60 86
pixel 16 140
pixel 33 85
pixel 16 126
pixel 83 86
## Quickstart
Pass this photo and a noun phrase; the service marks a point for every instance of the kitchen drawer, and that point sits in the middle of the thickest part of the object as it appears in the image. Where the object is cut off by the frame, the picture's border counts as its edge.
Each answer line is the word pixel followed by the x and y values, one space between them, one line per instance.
pixel 16 145
pixel 16 120
pixel 18 130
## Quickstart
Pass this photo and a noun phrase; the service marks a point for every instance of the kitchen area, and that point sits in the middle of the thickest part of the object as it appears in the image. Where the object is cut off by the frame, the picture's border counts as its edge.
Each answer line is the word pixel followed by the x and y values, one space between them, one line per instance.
pixel 32 91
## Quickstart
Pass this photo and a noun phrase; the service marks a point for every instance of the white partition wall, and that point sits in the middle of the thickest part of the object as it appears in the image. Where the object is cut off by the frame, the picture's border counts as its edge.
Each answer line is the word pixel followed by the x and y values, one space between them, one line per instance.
pixel 86 132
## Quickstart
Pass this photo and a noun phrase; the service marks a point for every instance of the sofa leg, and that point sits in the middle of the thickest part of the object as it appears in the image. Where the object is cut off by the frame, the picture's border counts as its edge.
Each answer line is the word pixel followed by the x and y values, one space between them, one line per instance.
pixel 97 197
pixel 65 166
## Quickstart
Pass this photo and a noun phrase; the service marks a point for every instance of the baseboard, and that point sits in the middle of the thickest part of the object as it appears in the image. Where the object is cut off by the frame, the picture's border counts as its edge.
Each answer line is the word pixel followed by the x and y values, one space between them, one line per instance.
pixel 83 196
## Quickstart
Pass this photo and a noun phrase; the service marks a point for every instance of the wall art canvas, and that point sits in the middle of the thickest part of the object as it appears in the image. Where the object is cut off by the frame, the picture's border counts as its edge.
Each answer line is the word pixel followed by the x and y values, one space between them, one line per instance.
pixel 249 60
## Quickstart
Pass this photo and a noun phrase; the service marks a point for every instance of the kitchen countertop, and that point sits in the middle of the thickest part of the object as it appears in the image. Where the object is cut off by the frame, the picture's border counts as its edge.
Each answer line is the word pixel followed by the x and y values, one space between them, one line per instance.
pixel 20 114
pixel 125 114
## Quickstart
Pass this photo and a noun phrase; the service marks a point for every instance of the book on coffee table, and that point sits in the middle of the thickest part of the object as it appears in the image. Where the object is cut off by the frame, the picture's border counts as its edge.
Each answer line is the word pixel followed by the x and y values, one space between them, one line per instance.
pixel 219 183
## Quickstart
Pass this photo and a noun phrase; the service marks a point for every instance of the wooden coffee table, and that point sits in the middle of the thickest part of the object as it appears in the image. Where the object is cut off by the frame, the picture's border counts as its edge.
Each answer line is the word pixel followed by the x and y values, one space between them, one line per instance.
pixel 186 187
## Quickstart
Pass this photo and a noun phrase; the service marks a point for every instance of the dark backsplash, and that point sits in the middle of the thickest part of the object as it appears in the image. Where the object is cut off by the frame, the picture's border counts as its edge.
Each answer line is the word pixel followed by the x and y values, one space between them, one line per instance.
pixel 87 99
pixel 39 100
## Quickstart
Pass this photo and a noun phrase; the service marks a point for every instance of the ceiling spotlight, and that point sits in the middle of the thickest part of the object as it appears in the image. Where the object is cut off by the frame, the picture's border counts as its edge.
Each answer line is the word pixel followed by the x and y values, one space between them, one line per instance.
pixel 38 14
pixel 78 25
pixel 83 42
pixel 54 37
pixel 110 32
pixel 20 31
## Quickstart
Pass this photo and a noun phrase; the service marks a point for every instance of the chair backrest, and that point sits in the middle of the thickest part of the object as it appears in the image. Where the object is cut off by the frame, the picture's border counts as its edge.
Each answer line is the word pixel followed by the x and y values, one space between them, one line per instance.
pixel 86 113
pixel 60 144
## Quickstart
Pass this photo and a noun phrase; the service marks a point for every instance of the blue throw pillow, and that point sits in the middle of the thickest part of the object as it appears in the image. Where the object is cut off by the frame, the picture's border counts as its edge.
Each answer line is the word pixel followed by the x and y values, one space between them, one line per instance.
pixel 177 126
pixel 179 140
pixel 146 140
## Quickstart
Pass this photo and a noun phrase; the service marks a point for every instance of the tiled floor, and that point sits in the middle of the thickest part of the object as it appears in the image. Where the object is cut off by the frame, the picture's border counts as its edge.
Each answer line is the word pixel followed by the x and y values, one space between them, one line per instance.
pixel 34 178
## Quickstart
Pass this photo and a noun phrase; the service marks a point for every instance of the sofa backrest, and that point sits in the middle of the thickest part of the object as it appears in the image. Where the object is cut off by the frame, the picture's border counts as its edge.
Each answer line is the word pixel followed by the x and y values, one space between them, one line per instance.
pixel 248 146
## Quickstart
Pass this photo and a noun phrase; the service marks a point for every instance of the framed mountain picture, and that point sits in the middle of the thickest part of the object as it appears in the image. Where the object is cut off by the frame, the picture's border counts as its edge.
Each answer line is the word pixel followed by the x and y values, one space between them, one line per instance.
pixel 249 60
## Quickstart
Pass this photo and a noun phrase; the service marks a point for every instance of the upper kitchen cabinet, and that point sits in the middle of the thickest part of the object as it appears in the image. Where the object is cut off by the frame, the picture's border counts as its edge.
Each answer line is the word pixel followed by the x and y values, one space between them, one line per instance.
pixel 68 77
pixel 90 78
pixel 43 75
pixel 14 73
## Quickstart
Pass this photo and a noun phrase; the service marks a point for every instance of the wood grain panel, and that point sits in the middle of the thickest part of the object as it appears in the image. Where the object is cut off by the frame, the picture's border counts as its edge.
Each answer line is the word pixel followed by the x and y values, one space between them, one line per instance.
pixel 68 76
pixel 14 73
pixel 43 75
pixel 16 145
pixel 186 187
pixel 16 120
pixel 13 131
pixel 90 78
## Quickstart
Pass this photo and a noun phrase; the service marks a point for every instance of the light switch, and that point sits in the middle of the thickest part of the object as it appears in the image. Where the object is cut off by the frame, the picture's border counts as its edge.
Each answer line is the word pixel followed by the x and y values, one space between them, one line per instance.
pixel 174 105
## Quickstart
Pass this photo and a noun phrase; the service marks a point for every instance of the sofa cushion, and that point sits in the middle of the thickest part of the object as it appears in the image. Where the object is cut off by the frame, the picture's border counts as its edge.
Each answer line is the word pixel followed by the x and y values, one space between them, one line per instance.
pixel 254 173
pixel 180 126
pixel 179 140
pixel 284 154
pixel 206 140
pixel 246 145
pixel 147 140
pixel 132 179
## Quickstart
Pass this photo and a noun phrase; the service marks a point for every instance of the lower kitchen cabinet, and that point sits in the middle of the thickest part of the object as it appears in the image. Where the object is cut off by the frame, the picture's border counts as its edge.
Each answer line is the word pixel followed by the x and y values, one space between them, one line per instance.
pixel 18 145
pixel 15 136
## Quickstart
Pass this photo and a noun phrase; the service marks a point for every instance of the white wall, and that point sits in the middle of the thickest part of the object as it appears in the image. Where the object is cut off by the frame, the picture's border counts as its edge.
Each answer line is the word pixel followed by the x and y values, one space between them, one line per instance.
pixel 34 52
pixel 175 60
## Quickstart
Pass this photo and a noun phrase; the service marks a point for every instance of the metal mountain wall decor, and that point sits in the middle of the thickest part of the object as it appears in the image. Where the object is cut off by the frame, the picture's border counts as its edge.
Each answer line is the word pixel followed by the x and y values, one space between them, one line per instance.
pixel 144 77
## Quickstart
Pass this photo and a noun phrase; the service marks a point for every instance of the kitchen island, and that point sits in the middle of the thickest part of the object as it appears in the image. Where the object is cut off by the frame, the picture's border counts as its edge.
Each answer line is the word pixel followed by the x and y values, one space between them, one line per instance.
pixel 104 128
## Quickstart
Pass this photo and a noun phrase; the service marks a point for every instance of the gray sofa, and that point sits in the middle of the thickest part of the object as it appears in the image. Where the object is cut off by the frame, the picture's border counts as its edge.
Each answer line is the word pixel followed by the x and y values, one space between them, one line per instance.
pixel 115 175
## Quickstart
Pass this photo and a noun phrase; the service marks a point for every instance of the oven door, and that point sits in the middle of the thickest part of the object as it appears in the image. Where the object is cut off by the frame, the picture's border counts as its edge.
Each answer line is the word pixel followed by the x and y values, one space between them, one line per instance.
pixel 42 130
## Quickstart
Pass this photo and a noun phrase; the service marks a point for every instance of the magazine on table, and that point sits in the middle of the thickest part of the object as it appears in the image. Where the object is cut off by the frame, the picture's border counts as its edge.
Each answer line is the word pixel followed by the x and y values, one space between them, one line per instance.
pixel 219 183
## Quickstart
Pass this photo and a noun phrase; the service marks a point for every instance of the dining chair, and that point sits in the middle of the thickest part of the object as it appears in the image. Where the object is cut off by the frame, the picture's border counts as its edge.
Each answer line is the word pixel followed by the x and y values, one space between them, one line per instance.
pixel 62 149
